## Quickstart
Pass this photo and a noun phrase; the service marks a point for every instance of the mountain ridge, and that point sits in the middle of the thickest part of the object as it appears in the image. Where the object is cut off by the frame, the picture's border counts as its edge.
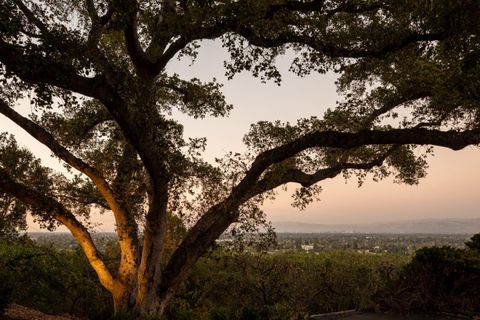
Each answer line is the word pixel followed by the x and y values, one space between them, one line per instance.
pixel 427 226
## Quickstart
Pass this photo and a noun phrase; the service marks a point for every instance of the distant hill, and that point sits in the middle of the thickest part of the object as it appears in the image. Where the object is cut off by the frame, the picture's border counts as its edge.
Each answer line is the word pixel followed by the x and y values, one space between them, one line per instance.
pixel 425 226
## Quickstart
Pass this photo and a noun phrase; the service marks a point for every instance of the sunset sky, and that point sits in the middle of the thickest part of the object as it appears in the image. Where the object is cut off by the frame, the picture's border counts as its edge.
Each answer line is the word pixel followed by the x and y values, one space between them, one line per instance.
pixel 450 189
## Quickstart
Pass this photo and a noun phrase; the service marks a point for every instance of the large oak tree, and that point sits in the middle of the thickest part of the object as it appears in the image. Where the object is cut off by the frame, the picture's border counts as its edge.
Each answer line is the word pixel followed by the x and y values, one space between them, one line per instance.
pixel 94 72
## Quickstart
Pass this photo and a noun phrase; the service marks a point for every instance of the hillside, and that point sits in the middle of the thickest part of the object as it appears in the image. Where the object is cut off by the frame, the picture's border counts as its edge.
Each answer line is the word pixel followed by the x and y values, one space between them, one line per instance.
pixel 426 226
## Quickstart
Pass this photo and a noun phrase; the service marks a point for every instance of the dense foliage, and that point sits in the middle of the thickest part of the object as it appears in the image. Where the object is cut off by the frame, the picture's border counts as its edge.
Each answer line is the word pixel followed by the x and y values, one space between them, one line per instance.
pixel 438 279
pixel 26 168
pixel 50 280
pixel 223 285
pixel 282 285
pixel 251 285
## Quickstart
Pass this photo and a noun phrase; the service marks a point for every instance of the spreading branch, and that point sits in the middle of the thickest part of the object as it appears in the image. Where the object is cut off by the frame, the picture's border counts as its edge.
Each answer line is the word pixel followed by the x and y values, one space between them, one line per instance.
pixel 393 104
pixel 255 36
pixel 47 71
pixel 454 140
pixel 217 219
pixel 97 25
pixel 140 60
pixel 273 180
pixel 169 53
pixel 32 18
pixel 319 6
pixel 125 229
pixel 58 212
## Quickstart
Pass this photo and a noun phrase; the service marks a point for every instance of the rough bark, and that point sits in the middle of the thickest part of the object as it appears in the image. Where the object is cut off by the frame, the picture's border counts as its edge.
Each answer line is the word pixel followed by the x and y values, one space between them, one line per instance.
pixel 150 266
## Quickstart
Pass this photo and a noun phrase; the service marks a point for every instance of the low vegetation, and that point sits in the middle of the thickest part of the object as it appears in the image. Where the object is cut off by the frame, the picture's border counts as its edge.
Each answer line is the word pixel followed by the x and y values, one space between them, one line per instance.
pixel 438 279
pixel 250 285
pixel 282 285
pixel 51 281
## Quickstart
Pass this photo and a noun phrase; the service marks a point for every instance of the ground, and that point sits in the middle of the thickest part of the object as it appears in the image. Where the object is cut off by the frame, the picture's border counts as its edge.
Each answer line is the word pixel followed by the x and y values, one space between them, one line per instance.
pixel 389 317
pixel 373 316
pixel 18 312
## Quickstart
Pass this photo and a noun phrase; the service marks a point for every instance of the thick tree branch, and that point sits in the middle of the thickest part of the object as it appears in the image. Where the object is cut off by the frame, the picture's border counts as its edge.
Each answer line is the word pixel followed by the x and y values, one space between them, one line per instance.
pixel 60 213
pixel 97 26
pixel 125 229
pixel 314 5
pixel 137 55
pixel 32 18
pixel 273 180
pixel 217 219
pixel 331 49
pixel 454 140
pixel 169 53
pixel 139 58
pixel 37 69
pixel 231 23
pixel 319 6
pixel 160 38
pixel 352 8
pixel 164 45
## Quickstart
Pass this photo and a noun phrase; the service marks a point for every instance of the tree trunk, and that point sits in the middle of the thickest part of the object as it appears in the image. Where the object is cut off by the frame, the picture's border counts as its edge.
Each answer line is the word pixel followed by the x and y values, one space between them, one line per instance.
pixel 150 267
pixel 146 299
pixel 122 299
pixel 153 305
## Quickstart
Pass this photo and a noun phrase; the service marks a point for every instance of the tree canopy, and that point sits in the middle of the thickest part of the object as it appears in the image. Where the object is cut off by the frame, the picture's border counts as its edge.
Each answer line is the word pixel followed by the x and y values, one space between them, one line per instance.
pixel 94 73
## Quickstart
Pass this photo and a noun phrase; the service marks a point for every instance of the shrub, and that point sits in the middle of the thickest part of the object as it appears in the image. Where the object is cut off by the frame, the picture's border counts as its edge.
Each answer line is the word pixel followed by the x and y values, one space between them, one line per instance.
pixel 438 279
pixel 6 289
pixel 52 281
pixel 283 285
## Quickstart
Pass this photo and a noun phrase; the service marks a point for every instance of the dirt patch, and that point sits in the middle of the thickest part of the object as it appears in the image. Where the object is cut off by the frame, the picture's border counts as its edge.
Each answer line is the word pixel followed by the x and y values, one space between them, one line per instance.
pixel 373 316
pixel 18 312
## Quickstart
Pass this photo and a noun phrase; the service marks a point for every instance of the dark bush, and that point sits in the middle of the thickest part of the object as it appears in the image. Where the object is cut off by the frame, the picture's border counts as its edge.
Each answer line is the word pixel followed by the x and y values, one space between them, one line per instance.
pixel 51 281
pixel 437 280
pixel 224 285
pixel 6 289
pixel 282 285
pixel 474 243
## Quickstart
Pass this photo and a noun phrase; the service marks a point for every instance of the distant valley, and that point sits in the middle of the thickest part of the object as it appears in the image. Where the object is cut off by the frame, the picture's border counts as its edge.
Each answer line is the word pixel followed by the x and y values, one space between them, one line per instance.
pixel 424 226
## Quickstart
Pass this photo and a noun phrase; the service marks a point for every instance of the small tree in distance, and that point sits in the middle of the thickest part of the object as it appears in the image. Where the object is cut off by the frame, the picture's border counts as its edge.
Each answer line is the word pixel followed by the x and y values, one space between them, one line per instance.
pixel 474 243
pixel 94 72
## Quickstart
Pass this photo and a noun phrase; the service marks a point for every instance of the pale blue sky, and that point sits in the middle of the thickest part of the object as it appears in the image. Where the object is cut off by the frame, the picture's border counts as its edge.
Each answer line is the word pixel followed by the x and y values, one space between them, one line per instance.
pixel 450 190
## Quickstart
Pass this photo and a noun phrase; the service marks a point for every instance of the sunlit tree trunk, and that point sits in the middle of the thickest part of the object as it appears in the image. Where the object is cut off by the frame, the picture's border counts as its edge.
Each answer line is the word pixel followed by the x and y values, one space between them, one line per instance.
pixel 154 237
pixel 146 301
pixel 121 299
